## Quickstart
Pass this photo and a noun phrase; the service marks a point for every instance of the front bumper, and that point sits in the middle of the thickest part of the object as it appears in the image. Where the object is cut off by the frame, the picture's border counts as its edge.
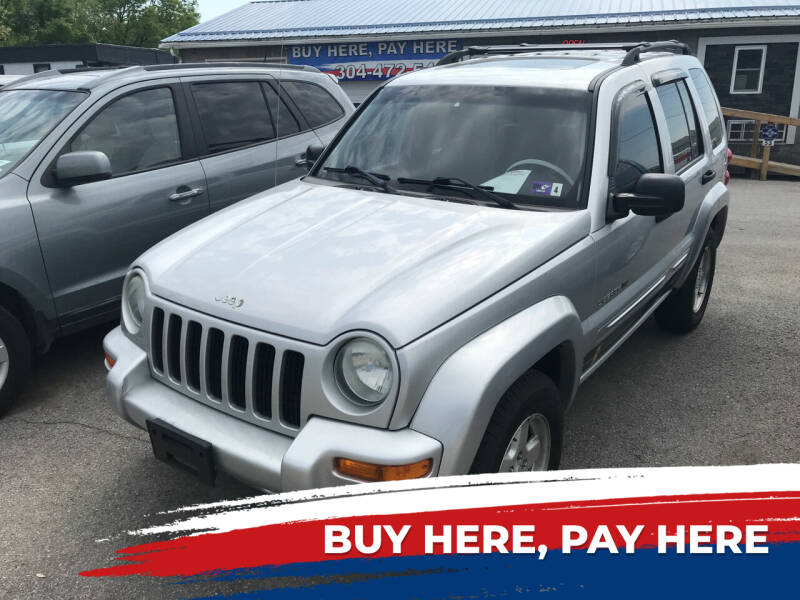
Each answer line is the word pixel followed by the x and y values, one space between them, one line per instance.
pixel 261 458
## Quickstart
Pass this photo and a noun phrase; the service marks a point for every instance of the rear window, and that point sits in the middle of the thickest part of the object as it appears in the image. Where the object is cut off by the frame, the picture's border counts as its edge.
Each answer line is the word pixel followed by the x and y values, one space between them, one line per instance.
pixel 232 114
pixel 317 105
pixel 285 122
pixel 677 124
pixel 708 101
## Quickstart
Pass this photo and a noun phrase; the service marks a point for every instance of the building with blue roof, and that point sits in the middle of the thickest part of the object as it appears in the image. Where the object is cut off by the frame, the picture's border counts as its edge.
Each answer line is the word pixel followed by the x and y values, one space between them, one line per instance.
pixel 751 49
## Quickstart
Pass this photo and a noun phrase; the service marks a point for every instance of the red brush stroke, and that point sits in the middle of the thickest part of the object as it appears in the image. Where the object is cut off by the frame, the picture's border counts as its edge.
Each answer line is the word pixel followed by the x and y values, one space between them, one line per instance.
pixel 303 542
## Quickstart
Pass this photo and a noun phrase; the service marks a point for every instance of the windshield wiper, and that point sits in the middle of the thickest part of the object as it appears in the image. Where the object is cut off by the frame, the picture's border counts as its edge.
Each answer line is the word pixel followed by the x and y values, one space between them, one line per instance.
pixel 377 179
pixel 460 184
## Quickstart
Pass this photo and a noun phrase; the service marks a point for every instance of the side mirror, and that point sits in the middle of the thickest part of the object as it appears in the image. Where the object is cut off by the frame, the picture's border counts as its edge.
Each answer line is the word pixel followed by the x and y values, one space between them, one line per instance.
pixel 76 168
pixel 313 152
pixel 656 195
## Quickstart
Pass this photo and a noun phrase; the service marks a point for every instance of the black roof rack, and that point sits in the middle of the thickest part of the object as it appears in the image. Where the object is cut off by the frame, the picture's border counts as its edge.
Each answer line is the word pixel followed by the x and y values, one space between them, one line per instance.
pixel 222 65
pixel 634 50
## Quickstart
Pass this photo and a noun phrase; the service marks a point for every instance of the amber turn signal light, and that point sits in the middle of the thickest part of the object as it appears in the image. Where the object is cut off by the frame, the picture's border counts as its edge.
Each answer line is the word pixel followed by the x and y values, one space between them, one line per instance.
pixel 371 472
pixel 110 362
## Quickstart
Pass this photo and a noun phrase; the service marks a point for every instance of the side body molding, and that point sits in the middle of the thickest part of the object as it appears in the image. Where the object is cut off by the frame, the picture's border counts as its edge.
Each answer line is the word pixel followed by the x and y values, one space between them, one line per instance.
pixel 462 396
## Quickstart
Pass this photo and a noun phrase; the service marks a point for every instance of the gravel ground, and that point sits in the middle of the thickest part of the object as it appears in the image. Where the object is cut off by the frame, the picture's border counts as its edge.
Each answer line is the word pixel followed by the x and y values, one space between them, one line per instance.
pixel 73 473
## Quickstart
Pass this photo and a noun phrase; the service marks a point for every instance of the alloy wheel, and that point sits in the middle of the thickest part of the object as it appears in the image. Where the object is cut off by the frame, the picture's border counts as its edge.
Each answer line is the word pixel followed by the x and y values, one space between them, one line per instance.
pixel 529 448
pixel 702 280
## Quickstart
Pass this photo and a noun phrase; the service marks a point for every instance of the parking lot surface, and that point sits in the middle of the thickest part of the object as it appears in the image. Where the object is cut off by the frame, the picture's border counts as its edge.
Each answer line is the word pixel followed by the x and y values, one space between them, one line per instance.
pixel 72 473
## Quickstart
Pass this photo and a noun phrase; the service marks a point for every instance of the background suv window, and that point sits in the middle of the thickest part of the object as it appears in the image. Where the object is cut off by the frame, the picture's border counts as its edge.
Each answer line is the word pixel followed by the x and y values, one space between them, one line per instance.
pixel 285 122
pixel 637 146
pixel 709 105
pixel 317 105
pixel 137 132
pixel 232 114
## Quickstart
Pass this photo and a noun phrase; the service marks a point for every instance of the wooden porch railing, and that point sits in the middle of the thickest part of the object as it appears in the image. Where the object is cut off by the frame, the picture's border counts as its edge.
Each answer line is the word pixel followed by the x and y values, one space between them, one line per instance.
pixel 763 164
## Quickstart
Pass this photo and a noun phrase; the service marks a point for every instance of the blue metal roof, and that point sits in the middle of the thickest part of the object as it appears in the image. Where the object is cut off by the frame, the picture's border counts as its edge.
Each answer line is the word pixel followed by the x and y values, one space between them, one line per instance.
pixel 293 19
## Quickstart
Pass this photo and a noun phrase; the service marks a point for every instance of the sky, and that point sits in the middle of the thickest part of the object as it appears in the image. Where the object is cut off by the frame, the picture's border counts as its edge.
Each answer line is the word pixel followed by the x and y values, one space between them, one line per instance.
pixel 213 8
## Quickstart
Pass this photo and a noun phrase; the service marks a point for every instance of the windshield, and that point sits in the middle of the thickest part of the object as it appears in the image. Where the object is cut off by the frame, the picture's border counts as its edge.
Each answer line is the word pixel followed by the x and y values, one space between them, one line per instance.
pixel 525 144
pixel 26 116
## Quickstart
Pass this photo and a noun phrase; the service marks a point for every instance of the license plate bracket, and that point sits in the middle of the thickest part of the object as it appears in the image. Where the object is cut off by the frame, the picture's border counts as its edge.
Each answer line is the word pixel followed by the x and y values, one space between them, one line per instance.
pixel 182 450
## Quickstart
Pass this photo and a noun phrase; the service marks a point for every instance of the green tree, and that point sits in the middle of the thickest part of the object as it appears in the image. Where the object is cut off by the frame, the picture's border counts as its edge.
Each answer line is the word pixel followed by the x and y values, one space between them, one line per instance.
pixel 125 22
pixel 141 22
pixel 31 22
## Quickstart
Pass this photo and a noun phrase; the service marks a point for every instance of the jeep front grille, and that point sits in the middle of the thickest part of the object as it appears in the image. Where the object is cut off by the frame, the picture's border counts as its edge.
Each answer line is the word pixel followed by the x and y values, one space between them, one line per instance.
pixel 233 371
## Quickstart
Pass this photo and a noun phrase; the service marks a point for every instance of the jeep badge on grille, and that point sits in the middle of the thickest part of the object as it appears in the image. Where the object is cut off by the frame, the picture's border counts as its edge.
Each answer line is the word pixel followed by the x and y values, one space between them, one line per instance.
pixel 230 300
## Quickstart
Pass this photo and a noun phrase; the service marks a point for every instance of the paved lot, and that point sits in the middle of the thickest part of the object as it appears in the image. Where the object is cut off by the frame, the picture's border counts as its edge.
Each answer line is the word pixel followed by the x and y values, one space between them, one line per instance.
pixel 71 472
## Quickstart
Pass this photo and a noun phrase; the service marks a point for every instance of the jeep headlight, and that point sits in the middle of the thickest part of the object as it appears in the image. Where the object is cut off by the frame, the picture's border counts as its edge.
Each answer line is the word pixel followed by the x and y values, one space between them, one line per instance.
pixel 364 371
pixel 133 295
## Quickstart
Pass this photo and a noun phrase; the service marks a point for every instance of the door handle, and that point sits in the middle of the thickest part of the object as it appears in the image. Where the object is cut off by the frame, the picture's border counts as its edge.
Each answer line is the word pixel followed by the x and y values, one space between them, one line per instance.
pixel 185 195
pixel 708 176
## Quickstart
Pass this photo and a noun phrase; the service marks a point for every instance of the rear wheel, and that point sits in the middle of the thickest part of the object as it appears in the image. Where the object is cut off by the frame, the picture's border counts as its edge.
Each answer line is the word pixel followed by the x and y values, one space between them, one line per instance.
pixel 684 309
pixel 15 359
pixel 526 429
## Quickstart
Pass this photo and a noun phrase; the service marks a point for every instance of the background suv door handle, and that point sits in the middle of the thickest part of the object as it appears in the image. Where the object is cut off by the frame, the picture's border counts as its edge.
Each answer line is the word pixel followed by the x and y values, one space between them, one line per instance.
pixel 708 176
pixel 184 193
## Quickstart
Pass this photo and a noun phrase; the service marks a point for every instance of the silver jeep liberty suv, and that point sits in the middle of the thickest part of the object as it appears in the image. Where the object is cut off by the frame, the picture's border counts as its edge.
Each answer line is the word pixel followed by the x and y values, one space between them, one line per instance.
pixel 476 241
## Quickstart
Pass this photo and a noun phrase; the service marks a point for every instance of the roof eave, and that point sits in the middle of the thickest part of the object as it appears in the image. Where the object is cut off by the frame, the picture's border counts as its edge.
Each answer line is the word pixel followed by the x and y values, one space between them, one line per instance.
pixel 169 43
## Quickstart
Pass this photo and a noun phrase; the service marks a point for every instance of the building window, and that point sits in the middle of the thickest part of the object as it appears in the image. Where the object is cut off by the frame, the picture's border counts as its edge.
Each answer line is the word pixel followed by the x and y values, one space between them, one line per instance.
pixel 39 67
pixel 741 130
pixel 748 69
pixel 2 70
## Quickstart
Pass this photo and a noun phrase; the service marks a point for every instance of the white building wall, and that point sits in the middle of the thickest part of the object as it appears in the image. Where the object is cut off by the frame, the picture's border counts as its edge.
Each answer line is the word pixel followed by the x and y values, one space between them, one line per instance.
pixel 27 68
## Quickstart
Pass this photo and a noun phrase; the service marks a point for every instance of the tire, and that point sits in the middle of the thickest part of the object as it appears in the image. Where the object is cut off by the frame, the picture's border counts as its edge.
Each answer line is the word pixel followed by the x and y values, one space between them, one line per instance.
pixel 684 309
pixel 536 397
pixel 15 359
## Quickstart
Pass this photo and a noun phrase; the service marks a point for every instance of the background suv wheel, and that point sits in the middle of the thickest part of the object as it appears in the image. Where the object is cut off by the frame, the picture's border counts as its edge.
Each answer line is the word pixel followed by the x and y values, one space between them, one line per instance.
pixel 15 359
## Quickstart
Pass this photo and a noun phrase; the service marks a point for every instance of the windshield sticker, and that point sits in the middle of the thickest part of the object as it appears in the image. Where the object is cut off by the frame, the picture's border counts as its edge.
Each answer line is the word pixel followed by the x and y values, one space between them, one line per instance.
pixel 546 188
pixel 510 182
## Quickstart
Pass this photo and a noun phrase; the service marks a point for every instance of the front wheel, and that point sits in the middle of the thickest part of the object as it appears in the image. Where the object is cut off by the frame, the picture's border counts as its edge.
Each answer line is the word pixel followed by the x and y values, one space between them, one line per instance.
pixel 15 359
pixel 526 431
pixel 684 309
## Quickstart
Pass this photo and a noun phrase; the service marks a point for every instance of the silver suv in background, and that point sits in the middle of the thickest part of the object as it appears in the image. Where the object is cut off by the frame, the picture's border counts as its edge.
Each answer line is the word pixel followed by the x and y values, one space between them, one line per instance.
pixel 96 166
pixel 477 240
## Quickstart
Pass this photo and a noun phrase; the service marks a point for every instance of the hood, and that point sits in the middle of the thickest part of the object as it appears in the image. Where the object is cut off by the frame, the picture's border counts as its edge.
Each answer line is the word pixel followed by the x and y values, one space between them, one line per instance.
pixel 314 261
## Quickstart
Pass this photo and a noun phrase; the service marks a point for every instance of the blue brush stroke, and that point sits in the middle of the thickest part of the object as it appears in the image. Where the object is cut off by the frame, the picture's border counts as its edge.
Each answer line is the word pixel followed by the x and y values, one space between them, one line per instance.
pixel 579 575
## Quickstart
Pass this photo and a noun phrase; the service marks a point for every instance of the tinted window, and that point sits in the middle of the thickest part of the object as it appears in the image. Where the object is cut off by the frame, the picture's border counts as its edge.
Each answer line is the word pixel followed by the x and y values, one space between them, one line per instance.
pixel 708 102
pixel 691 119
pixel 637 146
pixel 136 132
pixel 285 122
pixel 232 114
pixel 316 104
pixel 676 123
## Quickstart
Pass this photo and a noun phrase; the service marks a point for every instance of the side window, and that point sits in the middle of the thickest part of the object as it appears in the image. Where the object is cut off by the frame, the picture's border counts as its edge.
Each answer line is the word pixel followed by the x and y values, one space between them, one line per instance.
pixel 232 114
pixel 709 103
pixel 136 132
pixel 637 144
pixel 677 124
pixel 285 122
pixel 695 137
pixel 317 105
